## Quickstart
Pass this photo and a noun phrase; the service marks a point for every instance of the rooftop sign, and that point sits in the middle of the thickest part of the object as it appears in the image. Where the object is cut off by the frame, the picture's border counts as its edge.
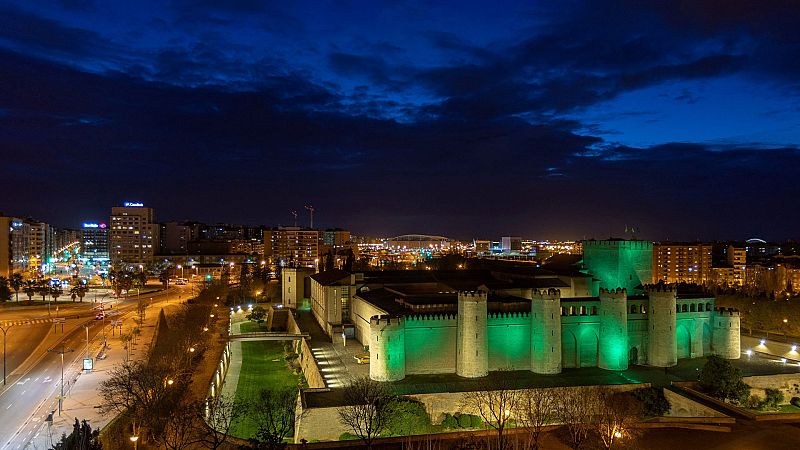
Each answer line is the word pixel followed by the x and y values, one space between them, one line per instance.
pixel 93 225
pixel 132 204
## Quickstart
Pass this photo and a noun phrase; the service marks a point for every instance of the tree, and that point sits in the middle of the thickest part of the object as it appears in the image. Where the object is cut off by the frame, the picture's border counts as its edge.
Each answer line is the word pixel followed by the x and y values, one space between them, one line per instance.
pixel 575 408
pixel 257 314
pixel 163 277
pixel 219 413
pixel 654 403
pixel 367 410
pixel 274 412
pixel 81 438
pixel 617 412
pixel 495 404
pixel 30 289
pixel 16 282
pixel 535 411
pixel 55 292
pixel 78 291
pixel 180 427
pixel 5 292
pixel 720 379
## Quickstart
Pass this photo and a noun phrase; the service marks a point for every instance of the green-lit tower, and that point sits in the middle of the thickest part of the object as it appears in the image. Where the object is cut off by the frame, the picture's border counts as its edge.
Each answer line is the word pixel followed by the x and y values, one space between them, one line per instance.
pixel 546 331
pixel 662 348
pixel 619 263
pixel 387 348
pixel 472 358
pixel 613 329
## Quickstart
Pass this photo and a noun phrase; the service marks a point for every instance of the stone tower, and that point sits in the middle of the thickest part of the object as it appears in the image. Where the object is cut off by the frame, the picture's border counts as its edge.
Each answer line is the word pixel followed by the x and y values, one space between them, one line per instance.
pixel 662 349
pixel 387 348
pixel 546 331
pixel 725 333
pixel 472 358
pixel 613 329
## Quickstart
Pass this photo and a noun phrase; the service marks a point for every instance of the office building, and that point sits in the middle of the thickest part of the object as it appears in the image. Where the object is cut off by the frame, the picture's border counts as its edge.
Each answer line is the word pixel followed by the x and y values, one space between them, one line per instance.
pixel 94 241
pixel 133 234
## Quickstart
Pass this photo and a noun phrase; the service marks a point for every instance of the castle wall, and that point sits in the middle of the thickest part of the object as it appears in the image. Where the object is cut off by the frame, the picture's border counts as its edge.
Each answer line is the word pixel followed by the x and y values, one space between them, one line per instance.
pixel 509 337
pixel 431 344
pixel 546 344
pixel 613 354
pixel 387 348
pixel 726 333
pixel 663 334
pixel 360 313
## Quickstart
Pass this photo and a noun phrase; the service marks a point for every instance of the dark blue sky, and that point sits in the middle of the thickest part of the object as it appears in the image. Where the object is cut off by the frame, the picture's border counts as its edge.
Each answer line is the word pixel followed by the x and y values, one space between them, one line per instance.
pixel 471 119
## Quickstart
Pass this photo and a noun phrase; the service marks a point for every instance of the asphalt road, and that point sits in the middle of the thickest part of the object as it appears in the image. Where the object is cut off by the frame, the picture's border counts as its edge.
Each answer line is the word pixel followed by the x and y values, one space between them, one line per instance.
pixel 35 386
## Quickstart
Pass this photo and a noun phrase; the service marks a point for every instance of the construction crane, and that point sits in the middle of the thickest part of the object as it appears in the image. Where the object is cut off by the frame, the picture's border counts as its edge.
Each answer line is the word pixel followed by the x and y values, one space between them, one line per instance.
pixel 311 212
pixel 294 213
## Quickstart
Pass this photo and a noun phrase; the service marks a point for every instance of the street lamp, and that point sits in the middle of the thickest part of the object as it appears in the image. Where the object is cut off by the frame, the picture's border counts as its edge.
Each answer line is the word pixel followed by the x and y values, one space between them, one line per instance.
pixel 134 439
pixel 5 330
pixel 61 352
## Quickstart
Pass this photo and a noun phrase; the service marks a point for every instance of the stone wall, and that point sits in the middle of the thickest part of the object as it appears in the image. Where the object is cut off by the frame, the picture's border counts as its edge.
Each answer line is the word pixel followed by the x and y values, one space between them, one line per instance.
pixel 430 344
pixel 309 366
pixel 681 406
pixel 788 383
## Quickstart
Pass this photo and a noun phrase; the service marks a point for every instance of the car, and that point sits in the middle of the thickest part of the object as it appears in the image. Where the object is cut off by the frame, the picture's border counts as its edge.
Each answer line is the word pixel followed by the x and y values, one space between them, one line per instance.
pixel 99 316
pixel 362 358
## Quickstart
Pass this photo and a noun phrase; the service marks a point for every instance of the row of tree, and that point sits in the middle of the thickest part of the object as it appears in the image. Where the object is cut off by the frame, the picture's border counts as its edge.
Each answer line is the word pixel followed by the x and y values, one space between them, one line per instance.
pixel 39 286
pixel 601 412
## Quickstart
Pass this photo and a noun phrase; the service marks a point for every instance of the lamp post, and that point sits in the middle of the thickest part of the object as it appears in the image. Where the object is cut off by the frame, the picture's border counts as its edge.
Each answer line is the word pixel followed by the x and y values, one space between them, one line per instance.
pixel 61 352
pixel 134 439
pixel 5 330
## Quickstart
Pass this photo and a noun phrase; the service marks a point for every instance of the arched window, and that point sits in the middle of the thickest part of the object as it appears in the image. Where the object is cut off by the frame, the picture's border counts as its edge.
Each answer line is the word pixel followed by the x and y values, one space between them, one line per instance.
pixel 583 310
pixel 594 310
pixel 677 308
pixel 563 312
pixel 633 309
pixel 572 311
pixel 708 306
pixel 683 308
pixel 692 308
pixel 699 307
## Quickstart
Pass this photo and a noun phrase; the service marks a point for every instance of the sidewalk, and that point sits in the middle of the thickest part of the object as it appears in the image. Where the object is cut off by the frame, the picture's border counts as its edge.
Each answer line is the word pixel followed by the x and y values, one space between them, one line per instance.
pixel 82 388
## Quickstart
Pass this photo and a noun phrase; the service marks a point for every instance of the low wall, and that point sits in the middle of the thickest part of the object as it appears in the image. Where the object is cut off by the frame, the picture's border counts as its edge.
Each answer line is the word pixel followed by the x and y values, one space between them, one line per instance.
pixel 309 366
pixel 788 383
pixel 682 406
pixel 322 423
pixel 291 324
pixel 772 348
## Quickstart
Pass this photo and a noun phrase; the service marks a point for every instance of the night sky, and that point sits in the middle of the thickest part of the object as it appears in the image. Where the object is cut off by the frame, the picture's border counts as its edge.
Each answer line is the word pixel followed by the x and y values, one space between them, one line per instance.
pixel 468 119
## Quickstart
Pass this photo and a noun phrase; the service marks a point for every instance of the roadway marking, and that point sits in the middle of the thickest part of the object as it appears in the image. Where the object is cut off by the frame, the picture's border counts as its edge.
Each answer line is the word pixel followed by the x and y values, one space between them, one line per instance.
pixel 9 406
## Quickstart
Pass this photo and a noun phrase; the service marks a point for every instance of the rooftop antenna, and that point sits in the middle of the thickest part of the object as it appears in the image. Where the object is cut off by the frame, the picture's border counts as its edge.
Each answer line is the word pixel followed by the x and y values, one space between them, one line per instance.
pixel 311 212
pixel 631 230
pixel 294 213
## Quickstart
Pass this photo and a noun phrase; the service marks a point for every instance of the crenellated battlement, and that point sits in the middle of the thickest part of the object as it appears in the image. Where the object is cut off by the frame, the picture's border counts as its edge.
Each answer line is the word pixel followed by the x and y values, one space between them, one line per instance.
pixel 613 294
pixel 385 320
pixel 475 296
pixel 721 312
pixel 661 287
pixel 546 294
pixel 508 314
pixel 417 317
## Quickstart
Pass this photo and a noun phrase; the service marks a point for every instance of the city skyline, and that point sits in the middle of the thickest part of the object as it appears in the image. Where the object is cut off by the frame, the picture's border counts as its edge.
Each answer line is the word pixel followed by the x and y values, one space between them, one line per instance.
pixel 462 119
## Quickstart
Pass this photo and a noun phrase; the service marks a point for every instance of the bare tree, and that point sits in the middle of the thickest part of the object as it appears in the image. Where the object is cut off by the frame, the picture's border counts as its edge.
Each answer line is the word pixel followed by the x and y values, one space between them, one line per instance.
pixel 180 427
pixel 576 408
pixel 368 408
pixel 274 413
pixel 617 412
pixel 219 414
pixel 536 410
pixel 495 403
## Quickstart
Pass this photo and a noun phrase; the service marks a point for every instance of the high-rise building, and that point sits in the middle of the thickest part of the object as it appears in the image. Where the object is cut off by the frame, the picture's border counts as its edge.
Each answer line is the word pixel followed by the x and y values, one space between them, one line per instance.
pixel 335 237
pixel 175 237
pixel 737 258
pixel 42 245
pixel 133 234
pixel 15 236
pixel 94 241
pixel 292 246
pixel 676 262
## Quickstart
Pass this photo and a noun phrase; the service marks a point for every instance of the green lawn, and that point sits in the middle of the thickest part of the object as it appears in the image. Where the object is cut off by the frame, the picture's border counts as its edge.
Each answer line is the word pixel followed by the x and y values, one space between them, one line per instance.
pixel 263 366
pixel 252 327
pixel 781 409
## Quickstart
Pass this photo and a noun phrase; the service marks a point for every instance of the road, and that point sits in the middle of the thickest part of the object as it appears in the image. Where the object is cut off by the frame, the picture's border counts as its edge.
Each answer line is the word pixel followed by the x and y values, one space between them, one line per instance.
pixel 34 387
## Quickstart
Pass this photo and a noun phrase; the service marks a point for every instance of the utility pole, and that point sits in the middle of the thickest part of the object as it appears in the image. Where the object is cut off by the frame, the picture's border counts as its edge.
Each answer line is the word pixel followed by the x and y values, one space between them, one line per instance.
pixel 5 330
pixel 311 211
pixel 61 351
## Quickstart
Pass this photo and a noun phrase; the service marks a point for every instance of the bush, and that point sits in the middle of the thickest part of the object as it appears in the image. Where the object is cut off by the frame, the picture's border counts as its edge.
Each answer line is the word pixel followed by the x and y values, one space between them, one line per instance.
pixel 721 380
pixel 408 417
pixel 753 402
pixel 773 397
pixel 348 437
pixel 795 401
pixel 654 403
pixel 449 422
pixel 464 421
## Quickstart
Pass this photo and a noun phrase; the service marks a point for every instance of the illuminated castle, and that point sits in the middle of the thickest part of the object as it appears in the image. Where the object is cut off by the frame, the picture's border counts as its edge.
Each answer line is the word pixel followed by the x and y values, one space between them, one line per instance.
pixel 472 322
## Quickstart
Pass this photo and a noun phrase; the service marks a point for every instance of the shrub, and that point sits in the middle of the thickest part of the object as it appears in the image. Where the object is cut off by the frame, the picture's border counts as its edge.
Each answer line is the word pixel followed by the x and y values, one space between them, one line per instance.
pixel 721 380
pixel 348 437
pixel 753 402
pixel 773 397
pixel 464 421
pixel 654 403
pixel 408 417
pixel 449 422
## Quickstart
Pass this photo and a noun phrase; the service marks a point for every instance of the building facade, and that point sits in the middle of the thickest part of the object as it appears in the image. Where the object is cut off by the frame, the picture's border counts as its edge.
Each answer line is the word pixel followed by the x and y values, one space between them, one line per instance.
pixel 619 263
pixel 292 246
pixel 15 246
pixel 133 235
pixel 675 262
pixel 94 241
